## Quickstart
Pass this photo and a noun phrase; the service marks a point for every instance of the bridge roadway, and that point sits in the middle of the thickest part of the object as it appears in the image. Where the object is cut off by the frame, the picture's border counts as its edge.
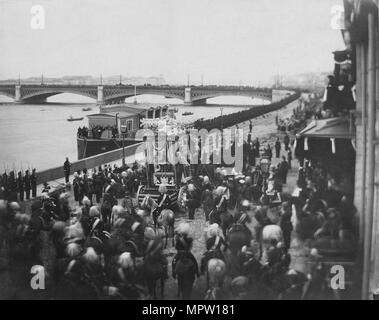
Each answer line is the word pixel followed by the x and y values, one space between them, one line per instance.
pixel 110 94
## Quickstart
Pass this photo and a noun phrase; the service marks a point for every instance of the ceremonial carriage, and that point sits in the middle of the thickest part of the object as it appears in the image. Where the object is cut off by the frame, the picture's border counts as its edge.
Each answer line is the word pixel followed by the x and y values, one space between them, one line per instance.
pixel 163 174
pixel 158 173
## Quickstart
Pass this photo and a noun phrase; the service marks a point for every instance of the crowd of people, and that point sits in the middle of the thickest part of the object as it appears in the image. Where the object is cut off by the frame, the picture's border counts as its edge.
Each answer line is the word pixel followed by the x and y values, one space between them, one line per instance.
pixel 112 247
pixel 297 121
pixel 18 188
pixel 108 244
pixel 95 132
pixel 241 116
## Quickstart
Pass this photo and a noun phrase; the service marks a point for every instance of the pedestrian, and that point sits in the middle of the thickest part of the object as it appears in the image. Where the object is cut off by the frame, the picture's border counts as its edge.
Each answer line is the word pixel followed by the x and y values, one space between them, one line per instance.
pixel 66 169
pixel 85 186
pixel 283 170
pixel 277 148
pixel 33 183
pixel 98 183
pixel 289 158
pixel 252 155
pixel 77 187
pixel 268 152
pixel 257 147
pixel 27 185
pixel 208 203
pixel 286 141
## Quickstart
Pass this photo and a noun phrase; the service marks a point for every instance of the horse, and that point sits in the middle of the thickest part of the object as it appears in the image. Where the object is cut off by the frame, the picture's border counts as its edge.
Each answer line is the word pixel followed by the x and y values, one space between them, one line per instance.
pixel 216 269
pixel 185 271
pixel 154 269
pixel 237 237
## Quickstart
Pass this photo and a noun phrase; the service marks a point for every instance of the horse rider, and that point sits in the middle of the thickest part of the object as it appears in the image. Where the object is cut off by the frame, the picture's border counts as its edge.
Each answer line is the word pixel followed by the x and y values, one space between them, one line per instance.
pixel 215 244
pixel 164 202
pixel 193 200
pixel 183 245
pixel 241 218
pixel 221 205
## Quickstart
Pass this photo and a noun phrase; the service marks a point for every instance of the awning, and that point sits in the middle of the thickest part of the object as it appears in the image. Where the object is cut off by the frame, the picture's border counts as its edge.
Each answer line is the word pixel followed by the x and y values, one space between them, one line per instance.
pixel 328 139
pixel 338 128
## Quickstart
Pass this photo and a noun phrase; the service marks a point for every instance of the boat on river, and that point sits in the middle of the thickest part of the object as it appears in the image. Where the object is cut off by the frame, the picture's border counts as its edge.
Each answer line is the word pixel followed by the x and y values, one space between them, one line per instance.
pixel 116 126
pixel 71 118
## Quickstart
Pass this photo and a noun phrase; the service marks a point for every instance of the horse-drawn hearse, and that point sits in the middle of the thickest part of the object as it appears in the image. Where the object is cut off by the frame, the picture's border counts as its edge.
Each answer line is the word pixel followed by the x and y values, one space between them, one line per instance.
pixel 169 175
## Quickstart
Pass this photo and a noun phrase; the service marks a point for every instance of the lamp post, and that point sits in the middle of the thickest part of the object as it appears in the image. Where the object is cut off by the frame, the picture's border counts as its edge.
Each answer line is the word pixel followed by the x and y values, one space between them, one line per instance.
pixel 123 132
pixel 117 122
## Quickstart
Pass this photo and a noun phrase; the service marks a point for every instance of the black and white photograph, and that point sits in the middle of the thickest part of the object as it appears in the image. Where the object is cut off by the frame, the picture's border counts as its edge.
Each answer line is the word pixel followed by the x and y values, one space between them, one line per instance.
pixel 189 150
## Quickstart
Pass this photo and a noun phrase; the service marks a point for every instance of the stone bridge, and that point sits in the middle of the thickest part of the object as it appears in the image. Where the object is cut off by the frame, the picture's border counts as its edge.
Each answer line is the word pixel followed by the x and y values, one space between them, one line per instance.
pixel 109 94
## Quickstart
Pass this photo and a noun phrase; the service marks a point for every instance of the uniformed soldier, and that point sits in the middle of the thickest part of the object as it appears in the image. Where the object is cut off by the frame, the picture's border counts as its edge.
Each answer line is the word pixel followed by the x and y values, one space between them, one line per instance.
pixel 20 186
pixel 27 185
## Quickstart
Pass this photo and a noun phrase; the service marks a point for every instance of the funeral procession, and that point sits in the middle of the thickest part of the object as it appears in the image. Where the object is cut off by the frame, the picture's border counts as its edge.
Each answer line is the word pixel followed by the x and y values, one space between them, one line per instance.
pixel 235 157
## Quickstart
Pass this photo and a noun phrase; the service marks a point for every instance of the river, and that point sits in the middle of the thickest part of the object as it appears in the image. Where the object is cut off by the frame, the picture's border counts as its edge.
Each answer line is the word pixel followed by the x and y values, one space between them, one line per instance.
pixel 40 136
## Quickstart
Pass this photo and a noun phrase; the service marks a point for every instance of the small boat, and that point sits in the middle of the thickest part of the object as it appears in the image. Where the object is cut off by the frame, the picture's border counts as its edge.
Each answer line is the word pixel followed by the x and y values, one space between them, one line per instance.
pixel 86 109
pixel 74 119
pixel 187 113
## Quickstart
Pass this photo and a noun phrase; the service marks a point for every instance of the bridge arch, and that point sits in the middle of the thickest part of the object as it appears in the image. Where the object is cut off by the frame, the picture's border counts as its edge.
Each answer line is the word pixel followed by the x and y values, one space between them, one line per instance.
pixel 43 94
pixel 8 94
pixel 126 95
pixel 204 96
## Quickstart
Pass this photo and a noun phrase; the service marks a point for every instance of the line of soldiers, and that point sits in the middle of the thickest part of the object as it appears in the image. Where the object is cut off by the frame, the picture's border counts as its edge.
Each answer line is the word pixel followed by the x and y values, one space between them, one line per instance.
pixel 20 187
pixel 117 181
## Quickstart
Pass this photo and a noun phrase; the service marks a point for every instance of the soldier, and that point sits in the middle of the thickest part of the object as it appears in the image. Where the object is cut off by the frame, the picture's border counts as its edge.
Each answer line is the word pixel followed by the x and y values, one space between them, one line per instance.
pixel 66 169
pixel 4 186
pixel 12 187
pixel 33 183
pixel 27 185
pixel 98 183
pixel 20 186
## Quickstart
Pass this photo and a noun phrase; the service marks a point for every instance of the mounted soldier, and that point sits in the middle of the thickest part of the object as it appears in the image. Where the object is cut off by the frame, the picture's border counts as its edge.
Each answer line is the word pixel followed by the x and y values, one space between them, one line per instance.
pixel 164 202
pixel 184 264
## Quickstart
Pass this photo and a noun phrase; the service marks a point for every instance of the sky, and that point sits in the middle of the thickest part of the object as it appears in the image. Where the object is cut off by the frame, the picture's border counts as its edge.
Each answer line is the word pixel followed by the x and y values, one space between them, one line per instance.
pixel 223 41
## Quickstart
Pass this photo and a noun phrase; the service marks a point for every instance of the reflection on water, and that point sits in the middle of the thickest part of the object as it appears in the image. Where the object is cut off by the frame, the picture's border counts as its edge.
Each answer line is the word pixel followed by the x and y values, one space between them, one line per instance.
pixel 40 136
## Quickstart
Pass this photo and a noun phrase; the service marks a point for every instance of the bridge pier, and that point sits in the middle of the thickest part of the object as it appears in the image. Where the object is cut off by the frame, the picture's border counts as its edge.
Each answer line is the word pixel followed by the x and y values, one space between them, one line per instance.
pixel 187 97
pixel 17 93
pixel 100 95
